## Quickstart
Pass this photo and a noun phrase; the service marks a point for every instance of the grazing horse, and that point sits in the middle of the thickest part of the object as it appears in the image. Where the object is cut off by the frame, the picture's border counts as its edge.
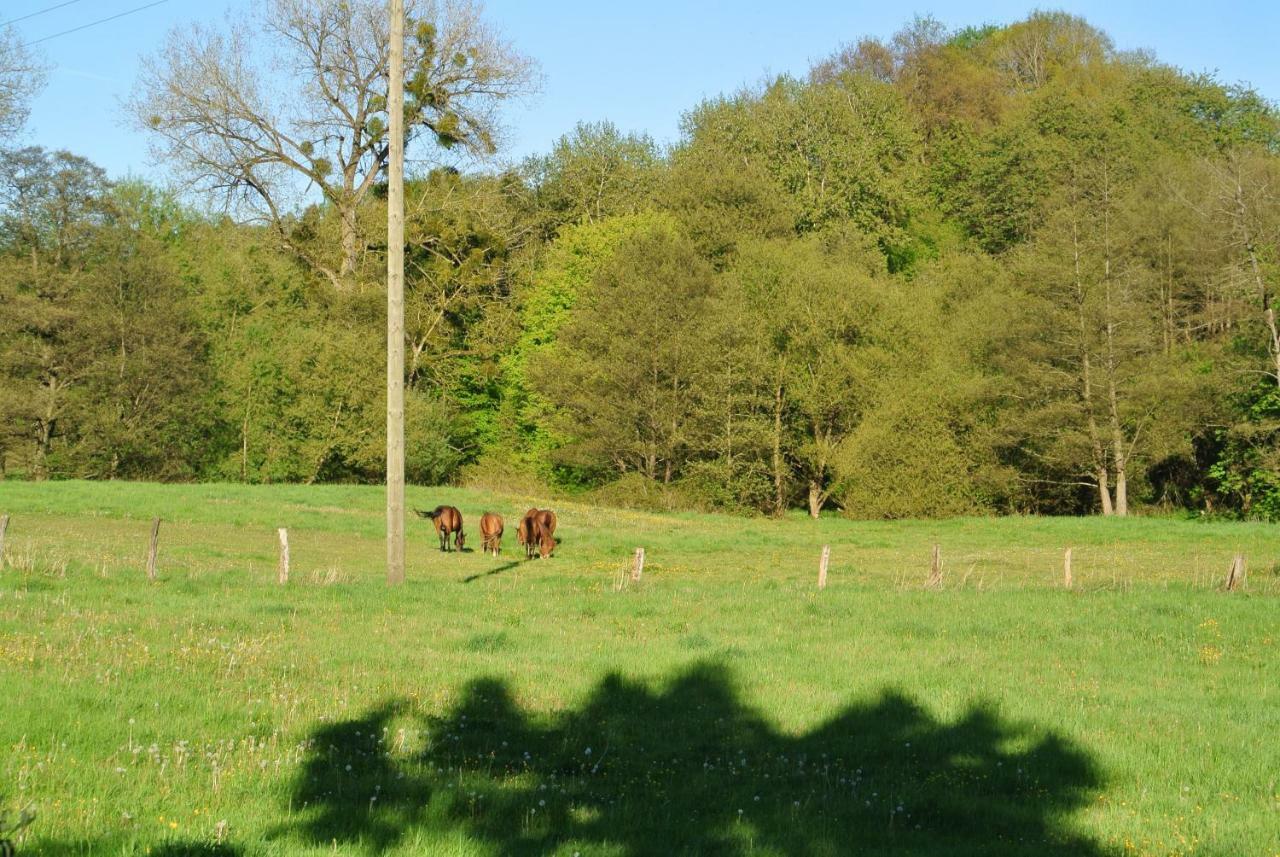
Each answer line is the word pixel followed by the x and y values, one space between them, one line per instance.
pixel 544 531
pixel 491 532
pixel 526 533
pixel 447 519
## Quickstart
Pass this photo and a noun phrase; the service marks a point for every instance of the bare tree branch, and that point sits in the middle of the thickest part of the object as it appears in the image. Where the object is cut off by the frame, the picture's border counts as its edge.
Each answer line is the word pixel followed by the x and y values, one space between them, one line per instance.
pixel 267 114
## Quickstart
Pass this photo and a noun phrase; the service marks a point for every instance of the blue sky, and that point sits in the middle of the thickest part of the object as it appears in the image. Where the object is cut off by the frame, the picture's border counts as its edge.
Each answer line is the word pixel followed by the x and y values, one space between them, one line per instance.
pixel 638 64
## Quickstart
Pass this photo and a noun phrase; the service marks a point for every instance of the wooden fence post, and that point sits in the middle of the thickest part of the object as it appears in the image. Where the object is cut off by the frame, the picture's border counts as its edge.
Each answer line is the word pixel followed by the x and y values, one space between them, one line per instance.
pixel 935 569
pixel 822 566
pixel 1066 569
pixel 283 571
pixel 4 527
pixel 637 565
pixel 151 554
pixel 1235 577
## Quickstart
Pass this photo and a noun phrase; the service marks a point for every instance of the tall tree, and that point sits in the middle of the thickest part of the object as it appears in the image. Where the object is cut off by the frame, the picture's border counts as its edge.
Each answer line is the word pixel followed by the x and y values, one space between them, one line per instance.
pixel 814 311
pixel 627 367
pixel 595 172
pixel 542 304
pixel 143 404
pixel 53 202
pixel 844 152
pixel 293 102
pixel 1246 208
pixel 21 76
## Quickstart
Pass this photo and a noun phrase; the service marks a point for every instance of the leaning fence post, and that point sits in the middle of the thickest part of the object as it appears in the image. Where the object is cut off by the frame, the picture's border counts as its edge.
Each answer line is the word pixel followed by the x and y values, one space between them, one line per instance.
pixel 151 554
pixel 935 568
pixel 1066 569
pixel 1235 577
pixel 283 571
pixel 4 527
pixel 637 565
pixel 822 566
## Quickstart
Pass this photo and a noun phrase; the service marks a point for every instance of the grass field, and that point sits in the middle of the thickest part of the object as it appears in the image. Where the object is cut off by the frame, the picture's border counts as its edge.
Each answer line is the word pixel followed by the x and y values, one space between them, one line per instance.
pixel 722 705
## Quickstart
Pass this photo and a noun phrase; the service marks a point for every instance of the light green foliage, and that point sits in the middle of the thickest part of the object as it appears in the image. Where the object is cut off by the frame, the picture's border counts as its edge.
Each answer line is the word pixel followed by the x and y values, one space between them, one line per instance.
pixel 143 392
pixel 468 247
pixel 924 444
pixel 723 201
pixel 594 173
pixel 844 151
pixel 814 336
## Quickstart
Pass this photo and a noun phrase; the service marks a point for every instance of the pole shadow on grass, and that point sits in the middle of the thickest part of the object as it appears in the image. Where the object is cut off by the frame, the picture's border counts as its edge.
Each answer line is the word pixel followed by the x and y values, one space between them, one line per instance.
pixel 690 770
pixel 507 567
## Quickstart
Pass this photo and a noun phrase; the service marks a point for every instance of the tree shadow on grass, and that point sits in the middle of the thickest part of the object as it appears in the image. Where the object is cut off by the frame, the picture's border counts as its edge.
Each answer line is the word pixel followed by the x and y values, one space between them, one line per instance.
pixel 195 849
pixel 691 770
pixel 165 849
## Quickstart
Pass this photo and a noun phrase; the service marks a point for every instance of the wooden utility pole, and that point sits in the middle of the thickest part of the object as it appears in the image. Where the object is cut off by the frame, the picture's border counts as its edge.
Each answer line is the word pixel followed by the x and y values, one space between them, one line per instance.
pixel 395 300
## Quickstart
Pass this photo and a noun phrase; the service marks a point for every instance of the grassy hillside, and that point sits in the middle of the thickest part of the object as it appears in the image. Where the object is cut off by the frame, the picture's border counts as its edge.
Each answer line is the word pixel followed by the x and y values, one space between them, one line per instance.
pixel 720 706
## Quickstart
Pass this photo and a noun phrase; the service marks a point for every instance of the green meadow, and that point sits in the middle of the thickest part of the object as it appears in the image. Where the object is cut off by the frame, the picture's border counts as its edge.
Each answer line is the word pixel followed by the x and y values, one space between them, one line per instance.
pixel 720 705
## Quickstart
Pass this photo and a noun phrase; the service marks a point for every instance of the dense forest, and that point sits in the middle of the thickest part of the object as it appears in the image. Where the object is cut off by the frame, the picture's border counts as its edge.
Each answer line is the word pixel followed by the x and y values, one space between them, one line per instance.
pixel 1003 269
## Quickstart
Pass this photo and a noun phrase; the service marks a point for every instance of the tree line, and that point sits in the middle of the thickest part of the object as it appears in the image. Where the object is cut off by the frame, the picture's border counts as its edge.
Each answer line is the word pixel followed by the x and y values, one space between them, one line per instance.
pixel 1003 269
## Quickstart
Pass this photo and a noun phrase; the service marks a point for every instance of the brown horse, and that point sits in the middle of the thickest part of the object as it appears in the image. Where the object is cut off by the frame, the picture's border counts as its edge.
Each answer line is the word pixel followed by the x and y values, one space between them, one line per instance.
pixel 447 519
pixel 544 532
pixel 491 532
pixel 525 533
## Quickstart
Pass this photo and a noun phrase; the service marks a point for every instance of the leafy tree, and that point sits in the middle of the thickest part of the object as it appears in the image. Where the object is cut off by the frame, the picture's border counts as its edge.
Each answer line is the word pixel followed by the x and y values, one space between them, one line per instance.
pixel 544 303
pixel 814 322
pixel 52 203
pixel 595 172
pixel 1245 472
pixel 628 363
pixel 468 240
pixel 1098 309
pixel 927 443
pixel 142 404
pixel 723 201
pixel 845 152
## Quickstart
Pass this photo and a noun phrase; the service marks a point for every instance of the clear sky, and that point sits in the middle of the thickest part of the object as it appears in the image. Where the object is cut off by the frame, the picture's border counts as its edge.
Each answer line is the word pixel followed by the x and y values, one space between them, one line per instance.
pixel 638 64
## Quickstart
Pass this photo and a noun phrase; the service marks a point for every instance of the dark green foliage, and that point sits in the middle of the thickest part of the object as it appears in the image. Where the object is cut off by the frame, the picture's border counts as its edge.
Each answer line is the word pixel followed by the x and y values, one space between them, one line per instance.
pixel 1245 474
